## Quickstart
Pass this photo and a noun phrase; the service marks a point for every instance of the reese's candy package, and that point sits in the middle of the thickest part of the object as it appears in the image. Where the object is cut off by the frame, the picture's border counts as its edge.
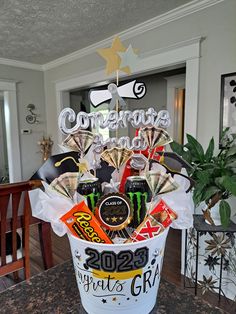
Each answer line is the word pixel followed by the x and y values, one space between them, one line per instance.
pixel 82 223
pixel 163 213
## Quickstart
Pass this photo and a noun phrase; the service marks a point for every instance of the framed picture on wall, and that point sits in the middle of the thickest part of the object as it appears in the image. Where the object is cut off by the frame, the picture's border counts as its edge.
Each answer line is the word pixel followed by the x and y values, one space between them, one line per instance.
pixel 228 103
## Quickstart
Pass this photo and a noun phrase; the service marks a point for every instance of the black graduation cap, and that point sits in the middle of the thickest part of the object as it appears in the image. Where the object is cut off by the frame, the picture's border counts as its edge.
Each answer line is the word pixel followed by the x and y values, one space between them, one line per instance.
pixel 174 161
pixel 54 167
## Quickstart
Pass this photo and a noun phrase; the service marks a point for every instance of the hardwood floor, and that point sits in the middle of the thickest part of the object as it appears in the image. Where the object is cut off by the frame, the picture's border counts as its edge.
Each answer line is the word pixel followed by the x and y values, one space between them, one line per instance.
pixel 61 252
pixel 170 271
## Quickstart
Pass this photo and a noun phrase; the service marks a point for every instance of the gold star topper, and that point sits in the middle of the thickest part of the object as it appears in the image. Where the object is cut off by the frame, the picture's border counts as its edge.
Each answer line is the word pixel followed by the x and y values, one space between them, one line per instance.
pixel 112 57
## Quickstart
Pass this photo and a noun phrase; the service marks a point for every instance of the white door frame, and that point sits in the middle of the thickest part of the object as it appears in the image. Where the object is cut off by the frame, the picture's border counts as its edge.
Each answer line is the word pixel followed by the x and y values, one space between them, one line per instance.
pixel 12 130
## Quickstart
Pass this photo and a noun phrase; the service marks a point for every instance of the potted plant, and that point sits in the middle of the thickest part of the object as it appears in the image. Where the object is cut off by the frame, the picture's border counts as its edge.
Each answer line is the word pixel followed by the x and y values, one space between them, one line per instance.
pixel 214 173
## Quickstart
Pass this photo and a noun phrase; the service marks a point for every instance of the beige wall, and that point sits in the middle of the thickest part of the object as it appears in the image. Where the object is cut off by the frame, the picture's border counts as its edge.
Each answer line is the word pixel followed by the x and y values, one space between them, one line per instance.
pixel 218 55
pixel 30 89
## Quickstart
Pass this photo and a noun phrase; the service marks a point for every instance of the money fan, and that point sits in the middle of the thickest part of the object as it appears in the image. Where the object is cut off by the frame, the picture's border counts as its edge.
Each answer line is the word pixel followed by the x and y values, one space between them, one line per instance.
pixel 116 156
pixel 155 137
pixel 160 182
pixel 79 141
pixel 66 184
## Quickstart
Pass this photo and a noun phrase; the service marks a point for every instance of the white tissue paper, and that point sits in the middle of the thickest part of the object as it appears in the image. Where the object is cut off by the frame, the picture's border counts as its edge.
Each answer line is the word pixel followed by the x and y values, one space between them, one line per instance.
pixel 178 200
pixel 50 206
pixel 182 203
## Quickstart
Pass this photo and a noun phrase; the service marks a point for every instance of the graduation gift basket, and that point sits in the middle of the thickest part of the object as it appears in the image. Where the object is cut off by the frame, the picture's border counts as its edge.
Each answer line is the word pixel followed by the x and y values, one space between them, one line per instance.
pixel 115 197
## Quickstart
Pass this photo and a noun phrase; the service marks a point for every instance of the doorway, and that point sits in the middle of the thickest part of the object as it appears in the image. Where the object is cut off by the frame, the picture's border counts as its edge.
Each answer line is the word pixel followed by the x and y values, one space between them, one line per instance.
pixel 10 115
pixel 4 172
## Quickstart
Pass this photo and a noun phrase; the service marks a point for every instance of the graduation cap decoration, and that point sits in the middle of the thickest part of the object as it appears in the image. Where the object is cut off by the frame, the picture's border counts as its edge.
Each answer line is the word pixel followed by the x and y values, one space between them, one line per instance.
pixel 173 164
pixel 173 161
pixel 53 168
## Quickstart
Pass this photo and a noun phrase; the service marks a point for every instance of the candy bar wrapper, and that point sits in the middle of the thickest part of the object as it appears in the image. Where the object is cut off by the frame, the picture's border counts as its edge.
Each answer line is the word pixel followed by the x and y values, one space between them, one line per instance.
pixel 149 228
pixel 163 214
pixel 83 224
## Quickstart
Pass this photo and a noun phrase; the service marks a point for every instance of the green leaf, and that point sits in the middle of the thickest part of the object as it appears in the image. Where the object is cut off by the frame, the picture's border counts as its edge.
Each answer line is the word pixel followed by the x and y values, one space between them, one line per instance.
pixel 187 156
pixel 197 197
pixel 198 192
pixel 204 176
pixel 208 165
pixel 210 150
pixel 231 164
pixel 229 184
pixel 224 134
pixel 210 191
pixel 219 181
pixel 195 147
pixel 231 151
pixel 225 212
pixel 177 148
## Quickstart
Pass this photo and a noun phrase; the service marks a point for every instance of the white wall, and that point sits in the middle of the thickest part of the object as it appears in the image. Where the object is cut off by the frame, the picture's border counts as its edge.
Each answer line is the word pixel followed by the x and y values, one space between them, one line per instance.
pixel 30 89
pixel 217 24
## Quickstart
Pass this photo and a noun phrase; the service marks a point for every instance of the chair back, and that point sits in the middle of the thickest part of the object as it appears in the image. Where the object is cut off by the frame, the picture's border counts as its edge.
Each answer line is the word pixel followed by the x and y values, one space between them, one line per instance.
pixel 14 197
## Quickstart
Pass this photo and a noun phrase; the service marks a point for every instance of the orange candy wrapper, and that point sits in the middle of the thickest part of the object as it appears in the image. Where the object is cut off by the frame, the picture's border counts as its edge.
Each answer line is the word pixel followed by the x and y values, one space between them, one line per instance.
pixel 83 224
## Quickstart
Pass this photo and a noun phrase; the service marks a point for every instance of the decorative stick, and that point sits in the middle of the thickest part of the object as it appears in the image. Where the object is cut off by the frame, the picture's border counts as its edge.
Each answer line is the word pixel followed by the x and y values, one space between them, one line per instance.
pixel 147 164
pixel 117 101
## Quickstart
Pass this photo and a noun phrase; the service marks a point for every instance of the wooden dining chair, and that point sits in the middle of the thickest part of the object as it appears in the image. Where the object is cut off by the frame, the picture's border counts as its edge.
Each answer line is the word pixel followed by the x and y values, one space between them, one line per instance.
pixel 15 212
pixel 11 196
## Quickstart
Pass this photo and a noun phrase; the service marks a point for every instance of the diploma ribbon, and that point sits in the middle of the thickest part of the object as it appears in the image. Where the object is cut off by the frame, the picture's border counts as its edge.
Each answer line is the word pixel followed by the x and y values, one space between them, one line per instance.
pixel 113 89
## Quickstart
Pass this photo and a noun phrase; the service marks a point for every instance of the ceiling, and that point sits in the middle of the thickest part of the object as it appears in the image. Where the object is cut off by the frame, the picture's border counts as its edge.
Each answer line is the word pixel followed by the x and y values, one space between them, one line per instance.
pixel 39 31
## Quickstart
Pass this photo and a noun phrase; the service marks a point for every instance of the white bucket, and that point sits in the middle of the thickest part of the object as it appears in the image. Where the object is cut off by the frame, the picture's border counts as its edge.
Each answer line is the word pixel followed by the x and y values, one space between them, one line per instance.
pixel 120 278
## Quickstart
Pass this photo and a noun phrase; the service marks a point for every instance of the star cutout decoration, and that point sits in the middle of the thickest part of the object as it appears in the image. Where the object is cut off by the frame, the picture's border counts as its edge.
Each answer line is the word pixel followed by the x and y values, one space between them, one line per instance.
pixel 77 255
pixel 129 59
pixel 114 219
pixel 104 301
pixel 112 58
pixel 156 253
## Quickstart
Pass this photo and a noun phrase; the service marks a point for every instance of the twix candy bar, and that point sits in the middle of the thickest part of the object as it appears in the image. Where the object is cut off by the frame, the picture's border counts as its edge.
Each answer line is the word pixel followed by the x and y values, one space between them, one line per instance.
pixel 163 213
pixel 83 224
